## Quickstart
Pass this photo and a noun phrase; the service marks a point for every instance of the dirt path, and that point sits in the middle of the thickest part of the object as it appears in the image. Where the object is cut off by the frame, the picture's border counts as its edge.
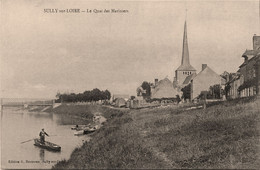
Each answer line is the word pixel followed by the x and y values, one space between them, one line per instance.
pixel 151 146
pixel 160 155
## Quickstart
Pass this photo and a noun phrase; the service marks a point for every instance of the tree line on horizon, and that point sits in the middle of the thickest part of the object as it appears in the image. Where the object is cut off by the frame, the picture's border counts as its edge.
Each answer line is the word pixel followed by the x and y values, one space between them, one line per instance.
pixel 87 96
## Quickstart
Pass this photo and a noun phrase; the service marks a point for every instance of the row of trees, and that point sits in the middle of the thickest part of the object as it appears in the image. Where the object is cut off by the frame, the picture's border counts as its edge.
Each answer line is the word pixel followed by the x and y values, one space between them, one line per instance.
pixel 87 96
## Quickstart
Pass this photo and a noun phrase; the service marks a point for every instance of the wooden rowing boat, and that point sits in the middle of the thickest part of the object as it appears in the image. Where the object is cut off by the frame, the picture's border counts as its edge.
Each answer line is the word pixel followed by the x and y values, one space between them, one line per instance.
pixel 85 131
pixel 79 132
pixel 89 130
pixel 47 145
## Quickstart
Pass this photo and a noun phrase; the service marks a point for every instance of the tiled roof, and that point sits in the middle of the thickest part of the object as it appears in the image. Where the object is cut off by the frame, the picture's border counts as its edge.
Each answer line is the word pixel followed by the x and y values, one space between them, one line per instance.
pixel 164 89
pixel 236 76
pixel 189 78
pixel 251 52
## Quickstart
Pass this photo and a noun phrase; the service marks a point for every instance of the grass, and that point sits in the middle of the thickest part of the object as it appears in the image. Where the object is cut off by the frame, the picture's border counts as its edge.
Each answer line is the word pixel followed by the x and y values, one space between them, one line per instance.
pixel 225 135
pixel 85 111
pixel 82 114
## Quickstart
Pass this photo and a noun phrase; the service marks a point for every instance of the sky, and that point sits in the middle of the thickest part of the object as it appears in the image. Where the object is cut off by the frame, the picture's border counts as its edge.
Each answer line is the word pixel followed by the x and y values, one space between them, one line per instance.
pixel 43 53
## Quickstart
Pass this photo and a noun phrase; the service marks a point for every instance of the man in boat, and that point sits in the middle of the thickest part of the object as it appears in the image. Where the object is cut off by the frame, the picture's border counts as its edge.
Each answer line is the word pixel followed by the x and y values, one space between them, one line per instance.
pixel 42 136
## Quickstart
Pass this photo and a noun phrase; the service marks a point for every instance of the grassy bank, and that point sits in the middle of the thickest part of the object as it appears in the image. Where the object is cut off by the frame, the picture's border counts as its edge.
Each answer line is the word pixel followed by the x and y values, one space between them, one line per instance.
pixel 83 113
pixel 225 135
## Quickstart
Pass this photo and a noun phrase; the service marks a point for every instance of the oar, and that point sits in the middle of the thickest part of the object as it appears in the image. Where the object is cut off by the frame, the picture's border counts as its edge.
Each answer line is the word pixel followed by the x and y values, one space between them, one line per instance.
pixel 28 140
pixel 34 138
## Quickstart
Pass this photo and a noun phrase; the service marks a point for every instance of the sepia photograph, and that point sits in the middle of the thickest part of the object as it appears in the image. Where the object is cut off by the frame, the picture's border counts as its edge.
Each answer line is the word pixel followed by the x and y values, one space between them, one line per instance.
pixel 163 84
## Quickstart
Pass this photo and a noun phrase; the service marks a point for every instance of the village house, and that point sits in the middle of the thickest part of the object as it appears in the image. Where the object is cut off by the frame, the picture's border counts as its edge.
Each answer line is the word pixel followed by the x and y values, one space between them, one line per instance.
pixel 120 99
pixel 123 96
pixel 188 79
pixel 164 89
pixel 247 81
pixel 233 83
pixel 249 70
pixel 203 80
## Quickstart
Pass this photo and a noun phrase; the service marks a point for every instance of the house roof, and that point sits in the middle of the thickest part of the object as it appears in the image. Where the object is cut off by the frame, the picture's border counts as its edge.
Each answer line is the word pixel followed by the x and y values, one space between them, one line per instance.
pixel 251 52
pixel 206 69
pixel 210 71
pixel 236 76
pixel 164 89
pixel 188 79
pixel 257 55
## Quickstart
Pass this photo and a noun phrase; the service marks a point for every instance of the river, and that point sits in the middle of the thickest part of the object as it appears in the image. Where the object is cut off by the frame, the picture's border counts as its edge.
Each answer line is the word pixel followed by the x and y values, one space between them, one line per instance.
pixel 19 125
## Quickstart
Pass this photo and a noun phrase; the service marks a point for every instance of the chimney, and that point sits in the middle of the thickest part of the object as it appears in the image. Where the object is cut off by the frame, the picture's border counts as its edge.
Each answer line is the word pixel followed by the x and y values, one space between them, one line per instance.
pixel 256 42
pixel 203 66
pixel 155 82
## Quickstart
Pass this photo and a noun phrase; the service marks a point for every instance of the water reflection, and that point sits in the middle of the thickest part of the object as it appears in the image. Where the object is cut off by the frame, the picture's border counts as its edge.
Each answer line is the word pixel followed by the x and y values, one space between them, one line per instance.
pixel 69 120
pixel 42 154
pixel 18 125
pixel 42 115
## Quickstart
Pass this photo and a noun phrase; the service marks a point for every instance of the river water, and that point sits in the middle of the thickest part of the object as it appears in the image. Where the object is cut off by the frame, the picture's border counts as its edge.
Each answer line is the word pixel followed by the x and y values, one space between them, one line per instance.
pixel 19 125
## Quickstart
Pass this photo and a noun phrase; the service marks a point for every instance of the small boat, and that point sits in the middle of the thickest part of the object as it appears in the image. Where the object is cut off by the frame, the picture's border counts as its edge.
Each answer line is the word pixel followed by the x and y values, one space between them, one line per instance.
pixel 90 130
pixel 79 132
pixel 47 145
pixel 78 127
pixel 86 130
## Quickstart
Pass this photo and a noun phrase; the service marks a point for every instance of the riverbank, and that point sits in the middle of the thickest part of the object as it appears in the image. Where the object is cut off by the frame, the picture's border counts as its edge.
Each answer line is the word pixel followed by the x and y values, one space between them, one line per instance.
pixel 85 112
pixel 224 135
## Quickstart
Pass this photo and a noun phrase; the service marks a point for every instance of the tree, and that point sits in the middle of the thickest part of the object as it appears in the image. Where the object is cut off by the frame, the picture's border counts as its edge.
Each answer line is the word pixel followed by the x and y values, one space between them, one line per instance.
pixel 87 96
pixel 178 99
pixel 186 92
pixel 146 86
pixel 227 89
pixel 215 91
pixel 96 94
pixel 107 95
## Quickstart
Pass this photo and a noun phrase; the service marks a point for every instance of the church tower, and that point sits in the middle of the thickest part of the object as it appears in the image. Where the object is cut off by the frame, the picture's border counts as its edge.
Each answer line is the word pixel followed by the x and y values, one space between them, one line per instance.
pixel 185 69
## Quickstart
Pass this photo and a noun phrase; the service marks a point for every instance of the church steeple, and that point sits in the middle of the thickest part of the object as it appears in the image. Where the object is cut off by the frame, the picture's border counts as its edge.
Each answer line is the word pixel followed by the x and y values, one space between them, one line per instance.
pixel 185 49
pixel 185 69
pixel 185 61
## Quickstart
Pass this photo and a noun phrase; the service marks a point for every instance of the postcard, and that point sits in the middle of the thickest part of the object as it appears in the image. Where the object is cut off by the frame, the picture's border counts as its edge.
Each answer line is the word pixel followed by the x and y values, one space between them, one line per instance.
pixel 130 84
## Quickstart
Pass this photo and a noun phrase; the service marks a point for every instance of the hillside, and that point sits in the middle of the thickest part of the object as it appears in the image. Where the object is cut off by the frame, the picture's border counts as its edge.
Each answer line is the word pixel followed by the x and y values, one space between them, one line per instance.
pixel 225 135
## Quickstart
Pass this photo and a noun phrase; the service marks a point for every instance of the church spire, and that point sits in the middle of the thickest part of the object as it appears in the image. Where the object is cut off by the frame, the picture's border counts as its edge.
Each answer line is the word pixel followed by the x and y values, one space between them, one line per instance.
pixel 185 49
pixel 185 61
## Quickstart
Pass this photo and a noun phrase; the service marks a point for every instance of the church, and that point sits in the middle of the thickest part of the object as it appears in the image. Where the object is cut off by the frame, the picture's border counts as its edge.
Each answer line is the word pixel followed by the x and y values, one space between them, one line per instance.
pixel 186 75
pixel 167 89
pixel 185 69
